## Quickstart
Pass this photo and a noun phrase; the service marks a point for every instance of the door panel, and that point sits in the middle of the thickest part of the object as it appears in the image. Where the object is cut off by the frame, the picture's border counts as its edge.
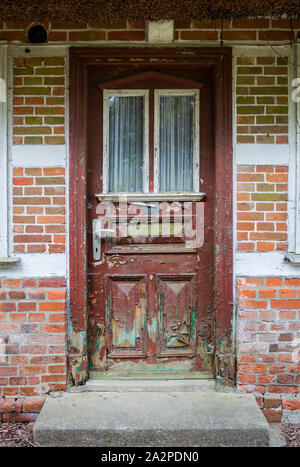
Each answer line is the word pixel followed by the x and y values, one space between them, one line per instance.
pixel 126 310
pixel 151 297
pixel 176 301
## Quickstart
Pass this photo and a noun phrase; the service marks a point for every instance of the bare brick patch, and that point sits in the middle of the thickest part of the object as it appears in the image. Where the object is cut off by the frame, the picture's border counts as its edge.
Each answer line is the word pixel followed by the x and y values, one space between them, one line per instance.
pixel 269 342
pixel 39 210
pixel 33 331
pixel 262 208
pixel 39 100
pixel 262 100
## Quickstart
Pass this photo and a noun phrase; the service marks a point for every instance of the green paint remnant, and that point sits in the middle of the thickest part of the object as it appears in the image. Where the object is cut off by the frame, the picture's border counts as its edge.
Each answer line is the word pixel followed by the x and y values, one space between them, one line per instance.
pixel 193 317
pixel 98 339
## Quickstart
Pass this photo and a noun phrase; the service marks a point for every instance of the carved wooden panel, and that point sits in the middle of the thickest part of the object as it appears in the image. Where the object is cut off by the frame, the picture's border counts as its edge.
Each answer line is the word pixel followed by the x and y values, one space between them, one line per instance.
pixel 126 316
pixel 177 312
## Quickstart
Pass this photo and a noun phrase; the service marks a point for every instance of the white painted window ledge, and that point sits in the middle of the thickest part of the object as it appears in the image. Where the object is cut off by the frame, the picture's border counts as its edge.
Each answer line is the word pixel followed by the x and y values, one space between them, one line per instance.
pixel 8 263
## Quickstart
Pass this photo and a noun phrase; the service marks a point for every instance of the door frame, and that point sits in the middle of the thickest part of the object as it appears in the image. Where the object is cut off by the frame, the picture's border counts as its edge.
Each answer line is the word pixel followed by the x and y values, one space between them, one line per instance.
pixel 221 60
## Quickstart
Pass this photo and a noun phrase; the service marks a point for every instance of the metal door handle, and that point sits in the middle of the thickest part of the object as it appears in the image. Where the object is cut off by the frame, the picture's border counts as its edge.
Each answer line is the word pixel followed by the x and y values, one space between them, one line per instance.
pixel 97 231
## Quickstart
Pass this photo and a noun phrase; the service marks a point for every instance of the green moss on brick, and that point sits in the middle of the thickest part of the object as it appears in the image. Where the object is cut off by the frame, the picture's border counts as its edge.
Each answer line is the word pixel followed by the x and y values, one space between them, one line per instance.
pixel 277 109
pixel 249 70
pixel 54 61
pixel 269 90
pixel 265 187
pixel 268 197
pixel 33 120
pixel 32 130
pixel 55 100
pixel 265 100
pixel 264 119
pixel 54 81
pixel 23 71
pixel 33 61
pixel 33 140
pixel 32 91
pixel 252 110
pixel 245 79
pixel 33 80
pixel 49 110
pixel 55 140
pixel 282 80
pixel 54 120
pixel 282 119
pixel 241 90
pixel 245 100
pixel 50 71
pixel 245 60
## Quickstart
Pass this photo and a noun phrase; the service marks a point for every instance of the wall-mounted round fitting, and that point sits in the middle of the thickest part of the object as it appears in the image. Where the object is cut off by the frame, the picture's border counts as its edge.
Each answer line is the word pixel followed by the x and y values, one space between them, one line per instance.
pixel 37 34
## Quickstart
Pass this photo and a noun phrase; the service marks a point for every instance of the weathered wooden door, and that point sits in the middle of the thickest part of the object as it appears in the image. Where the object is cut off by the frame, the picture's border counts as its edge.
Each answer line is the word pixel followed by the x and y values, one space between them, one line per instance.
pixel 150 226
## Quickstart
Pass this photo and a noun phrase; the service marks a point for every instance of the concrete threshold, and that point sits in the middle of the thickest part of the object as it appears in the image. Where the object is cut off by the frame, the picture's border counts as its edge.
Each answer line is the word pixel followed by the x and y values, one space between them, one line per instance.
pixel 175 418
pixel 139 385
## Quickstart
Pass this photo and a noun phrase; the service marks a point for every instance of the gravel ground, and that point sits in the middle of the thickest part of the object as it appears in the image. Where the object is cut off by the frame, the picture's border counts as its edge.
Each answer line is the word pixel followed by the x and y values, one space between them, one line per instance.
pixel 292 435
pixel 20 435
pixel 16 435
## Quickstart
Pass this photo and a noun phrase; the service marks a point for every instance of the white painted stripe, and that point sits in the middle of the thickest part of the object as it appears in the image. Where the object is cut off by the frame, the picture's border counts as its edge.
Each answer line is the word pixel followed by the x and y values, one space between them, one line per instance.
pixel 37 50
pixel 297 171
pixel 29 155
pixel 38 265
pixel 3 154
pixel 262 154
pixel 258 51
pixel 264 264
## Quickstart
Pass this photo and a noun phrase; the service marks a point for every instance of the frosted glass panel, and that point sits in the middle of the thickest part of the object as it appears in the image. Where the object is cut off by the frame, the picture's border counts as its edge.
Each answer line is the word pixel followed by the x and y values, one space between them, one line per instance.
pixel 126 143
pixel 176 143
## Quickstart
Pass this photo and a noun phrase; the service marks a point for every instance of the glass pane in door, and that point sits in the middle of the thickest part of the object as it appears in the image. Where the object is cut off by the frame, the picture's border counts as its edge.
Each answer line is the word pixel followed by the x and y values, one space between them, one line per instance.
pixel 176 141
pixel 126 143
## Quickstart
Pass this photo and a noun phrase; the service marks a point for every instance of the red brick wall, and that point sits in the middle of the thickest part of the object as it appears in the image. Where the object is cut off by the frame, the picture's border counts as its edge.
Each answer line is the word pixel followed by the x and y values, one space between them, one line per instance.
pixel 33 327
pixel 268 334
pixel 262 208
pixel 39 210
pixel 261 82
pixel 262 100
pixel 39 100
pixel 253 30
pixel 236 30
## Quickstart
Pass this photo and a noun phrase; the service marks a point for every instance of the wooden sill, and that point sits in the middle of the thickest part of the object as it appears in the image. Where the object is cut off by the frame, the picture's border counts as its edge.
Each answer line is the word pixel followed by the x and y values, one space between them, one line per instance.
pixel 145 197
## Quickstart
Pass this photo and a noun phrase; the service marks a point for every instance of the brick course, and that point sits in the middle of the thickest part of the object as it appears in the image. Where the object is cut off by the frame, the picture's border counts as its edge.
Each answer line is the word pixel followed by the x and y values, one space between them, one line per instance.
pixel 39 210
pixel 250 29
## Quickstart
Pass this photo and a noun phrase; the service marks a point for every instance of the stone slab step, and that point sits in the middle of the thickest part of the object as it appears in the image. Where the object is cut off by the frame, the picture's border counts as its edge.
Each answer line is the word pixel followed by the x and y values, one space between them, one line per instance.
pixel 151 419
pixel 184 385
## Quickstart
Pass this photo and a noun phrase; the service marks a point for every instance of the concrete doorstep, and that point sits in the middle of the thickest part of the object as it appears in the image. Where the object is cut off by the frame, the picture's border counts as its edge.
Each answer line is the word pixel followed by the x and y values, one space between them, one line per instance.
pixel 159 419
